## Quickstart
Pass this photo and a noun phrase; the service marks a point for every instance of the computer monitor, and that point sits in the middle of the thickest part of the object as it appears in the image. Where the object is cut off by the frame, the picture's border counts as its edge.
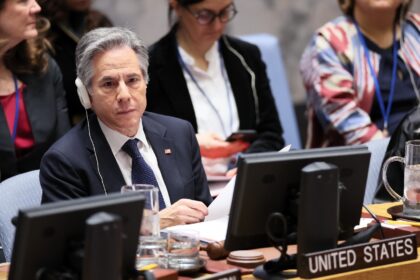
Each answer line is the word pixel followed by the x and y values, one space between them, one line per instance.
pixel 45 235
pixel 269 182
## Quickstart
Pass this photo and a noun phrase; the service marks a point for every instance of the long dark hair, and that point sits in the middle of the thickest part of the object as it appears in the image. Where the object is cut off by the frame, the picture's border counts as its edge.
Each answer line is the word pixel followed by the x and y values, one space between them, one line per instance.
pixel 29 56
pixel 183 3
pixel 57 11
pixel 347 7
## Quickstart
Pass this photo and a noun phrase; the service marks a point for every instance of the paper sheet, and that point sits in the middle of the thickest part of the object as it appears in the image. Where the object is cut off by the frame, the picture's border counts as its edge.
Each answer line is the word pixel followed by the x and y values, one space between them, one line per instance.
pixel 220 207
pixel 221 204
pixel 210 231
pixel 215 225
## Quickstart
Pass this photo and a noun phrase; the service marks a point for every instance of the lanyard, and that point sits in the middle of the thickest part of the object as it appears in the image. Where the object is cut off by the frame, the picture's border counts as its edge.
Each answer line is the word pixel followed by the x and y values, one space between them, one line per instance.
pixel 387 112
pixel 223 71
pixel 15 124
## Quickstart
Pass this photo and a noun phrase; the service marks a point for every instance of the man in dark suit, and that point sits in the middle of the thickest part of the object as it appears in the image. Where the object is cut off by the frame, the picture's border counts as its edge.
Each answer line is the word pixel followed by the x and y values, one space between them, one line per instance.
pixel 91 159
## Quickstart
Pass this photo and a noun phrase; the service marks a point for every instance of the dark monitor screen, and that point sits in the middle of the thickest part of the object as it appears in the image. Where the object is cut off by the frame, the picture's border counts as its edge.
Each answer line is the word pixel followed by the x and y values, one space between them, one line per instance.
pixel 45 234
pixel 269 182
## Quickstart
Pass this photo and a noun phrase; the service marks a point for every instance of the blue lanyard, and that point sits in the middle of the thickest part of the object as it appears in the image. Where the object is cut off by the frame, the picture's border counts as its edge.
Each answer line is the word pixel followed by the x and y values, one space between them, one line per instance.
pixel 15 124
pixel 385 114
pixel 223 71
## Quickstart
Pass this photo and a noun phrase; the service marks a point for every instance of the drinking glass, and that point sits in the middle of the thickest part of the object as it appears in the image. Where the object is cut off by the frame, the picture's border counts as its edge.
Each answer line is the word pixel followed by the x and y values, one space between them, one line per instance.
pixel 411 198
pixel 152 246
pixel 183 249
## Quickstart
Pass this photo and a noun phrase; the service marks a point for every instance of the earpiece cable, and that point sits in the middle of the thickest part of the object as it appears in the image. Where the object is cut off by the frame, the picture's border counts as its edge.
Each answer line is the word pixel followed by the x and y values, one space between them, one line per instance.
pixel 94 152
pixel 251 73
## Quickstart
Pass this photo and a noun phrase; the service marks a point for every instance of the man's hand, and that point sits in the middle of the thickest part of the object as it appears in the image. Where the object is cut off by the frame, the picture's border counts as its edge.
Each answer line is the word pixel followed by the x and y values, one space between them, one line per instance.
pixel 213 146
pixel 184 211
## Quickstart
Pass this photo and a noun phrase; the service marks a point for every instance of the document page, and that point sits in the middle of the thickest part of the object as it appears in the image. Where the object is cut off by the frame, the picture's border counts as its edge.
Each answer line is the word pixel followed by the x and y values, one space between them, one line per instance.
pixel 215 225
pixel 220 207
pixel 210 231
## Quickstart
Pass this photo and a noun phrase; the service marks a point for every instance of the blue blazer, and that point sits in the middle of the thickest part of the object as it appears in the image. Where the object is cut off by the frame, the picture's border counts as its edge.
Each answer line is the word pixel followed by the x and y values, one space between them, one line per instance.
pixel 69 169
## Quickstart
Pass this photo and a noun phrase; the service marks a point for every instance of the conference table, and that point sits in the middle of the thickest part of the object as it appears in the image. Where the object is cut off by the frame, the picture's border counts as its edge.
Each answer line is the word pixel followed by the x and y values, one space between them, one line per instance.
pixel 401 270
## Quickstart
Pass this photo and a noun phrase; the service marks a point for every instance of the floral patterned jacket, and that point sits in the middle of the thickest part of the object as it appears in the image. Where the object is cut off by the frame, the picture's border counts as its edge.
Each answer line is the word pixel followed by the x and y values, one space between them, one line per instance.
pixel 339 86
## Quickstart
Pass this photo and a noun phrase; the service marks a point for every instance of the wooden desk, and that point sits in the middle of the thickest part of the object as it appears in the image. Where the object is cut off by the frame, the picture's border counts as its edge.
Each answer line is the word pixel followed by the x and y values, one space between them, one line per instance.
pixel 403 270
pixel 4 268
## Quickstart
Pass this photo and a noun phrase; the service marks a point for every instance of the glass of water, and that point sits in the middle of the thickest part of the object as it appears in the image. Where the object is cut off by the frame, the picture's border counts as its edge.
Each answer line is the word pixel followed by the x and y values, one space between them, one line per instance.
pixel 152 246
pixel 183 250
pixel 411 161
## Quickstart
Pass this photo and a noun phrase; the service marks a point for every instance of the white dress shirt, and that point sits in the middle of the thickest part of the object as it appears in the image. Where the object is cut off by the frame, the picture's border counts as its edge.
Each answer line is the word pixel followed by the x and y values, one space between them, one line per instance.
pixel 215 110
pixel 116 140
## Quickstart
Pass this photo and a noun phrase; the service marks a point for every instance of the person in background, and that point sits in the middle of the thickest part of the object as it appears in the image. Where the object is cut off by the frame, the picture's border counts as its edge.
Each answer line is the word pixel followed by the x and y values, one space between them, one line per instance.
pixel 216 82
pixel 120 144
pixel 361 72
pixel 33 111
pixel 70 19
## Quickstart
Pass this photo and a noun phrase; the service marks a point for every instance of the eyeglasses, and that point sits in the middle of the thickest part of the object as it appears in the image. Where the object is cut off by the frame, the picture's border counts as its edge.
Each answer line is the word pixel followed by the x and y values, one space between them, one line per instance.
pixel 205 16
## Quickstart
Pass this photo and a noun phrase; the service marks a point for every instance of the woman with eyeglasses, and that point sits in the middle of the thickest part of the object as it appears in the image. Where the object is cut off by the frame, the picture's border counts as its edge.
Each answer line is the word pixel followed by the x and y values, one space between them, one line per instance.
pixel 33 110
pixel 216 82
pixel 361 72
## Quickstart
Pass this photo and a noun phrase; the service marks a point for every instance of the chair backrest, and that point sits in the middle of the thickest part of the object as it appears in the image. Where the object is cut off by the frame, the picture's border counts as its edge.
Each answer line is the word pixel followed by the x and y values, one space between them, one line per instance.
pixel 17 192
pixel 377 149
pixel 271 55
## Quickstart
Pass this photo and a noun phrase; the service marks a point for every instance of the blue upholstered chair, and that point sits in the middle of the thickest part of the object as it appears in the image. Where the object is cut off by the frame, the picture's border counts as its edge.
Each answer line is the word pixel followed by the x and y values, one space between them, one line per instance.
pixel 17 192
pixel 377 149
pixel 271 55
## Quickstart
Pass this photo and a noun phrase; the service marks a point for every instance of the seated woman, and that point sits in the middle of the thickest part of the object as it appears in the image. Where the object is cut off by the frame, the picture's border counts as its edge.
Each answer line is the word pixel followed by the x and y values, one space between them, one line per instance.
pixel 70 19
pixel 361 72
pixel 216 82
pixel 33 111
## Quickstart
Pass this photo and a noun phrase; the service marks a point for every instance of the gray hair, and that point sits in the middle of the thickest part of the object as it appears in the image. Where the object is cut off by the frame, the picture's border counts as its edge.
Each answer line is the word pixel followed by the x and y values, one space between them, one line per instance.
pixel 103 39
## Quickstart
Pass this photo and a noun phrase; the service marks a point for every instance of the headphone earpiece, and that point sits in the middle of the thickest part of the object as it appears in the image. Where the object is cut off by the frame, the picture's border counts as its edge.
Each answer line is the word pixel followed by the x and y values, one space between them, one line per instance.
pixel 83 93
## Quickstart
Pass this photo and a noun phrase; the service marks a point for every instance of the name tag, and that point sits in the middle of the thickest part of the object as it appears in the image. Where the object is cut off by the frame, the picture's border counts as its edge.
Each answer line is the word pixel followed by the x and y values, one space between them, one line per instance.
pixel 359 256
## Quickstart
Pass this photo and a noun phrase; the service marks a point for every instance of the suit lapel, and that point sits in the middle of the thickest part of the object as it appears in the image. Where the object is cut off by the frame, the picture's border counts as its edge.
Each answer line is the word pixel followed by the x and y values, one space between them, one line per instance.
pixel 37 95
pixel 7 153
pixel 108 166
pixel 240 83
pixel 155 133
pixel 172 80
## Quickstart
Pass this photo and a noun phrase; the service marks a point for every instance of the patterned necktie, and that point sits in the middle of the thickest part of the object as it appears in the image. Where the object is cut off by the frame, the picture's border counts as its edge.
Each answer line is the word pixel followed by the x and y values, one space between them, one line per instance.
pixel 141 173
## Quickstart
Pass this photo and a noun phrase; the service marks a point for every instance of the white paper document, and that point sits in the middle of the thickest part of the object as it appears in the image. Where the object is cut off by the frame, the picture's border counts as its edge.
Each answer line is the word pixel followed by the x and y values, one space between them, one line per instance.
pixel 220 206
pixel 215 225
pixel 210 231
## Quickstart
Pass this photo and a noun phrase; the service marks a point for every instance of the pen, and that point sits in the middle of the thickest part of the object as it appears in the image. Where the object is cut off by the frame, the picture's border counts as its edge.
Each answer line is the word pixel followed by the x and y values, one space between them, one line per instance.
pixel 148 267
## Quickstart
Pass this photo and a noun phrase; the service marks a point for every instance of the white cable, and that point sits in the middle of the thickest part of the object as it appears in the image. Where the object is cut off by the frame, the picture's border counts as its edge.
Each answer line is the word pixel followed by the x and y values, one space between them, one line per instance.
pixel 251 73
pixel 94 152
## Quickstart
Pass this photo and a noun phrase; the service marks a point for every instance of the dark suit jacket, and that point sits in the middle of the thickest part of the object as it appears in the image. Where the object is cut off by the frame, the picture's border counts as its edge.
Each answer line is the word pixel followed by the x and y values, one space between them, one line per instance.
pixel 68 169
pixel 46 107
pixel 167 91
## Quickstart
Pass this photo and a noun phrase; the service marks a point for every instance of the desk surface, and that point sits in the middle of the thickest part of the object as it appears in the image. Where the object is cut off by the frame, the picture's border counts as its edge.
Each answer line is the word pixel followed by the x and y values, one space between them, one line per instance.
pixel 402 270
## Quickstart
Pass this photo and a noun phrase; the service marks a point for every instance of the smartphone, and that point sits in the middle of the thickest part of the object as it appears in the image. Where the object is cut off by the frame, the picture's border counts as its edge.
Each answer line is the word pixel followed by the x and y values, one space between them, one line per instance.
pixel 246 135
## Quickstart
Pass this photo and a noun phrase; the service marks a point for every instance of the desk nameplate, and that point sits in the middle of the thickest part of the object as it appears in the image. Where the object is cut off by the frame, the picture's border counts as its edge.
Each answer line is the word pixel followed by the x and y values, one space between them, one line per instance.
pixel 360 256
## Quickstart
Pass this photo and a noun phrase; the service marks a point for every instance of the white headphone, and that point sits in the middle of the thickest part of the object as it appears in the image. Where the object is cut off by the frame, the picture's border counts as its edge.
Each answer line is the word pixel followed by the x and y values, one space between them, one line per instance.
pixel 85 100
pixel 83 94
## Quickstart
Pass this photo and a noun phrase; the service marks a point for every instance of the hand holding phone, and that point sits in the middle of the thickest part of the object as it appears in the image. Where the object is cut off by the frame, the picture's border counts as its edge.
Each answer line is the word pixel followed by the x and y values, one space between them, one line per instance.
pixel 246 135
